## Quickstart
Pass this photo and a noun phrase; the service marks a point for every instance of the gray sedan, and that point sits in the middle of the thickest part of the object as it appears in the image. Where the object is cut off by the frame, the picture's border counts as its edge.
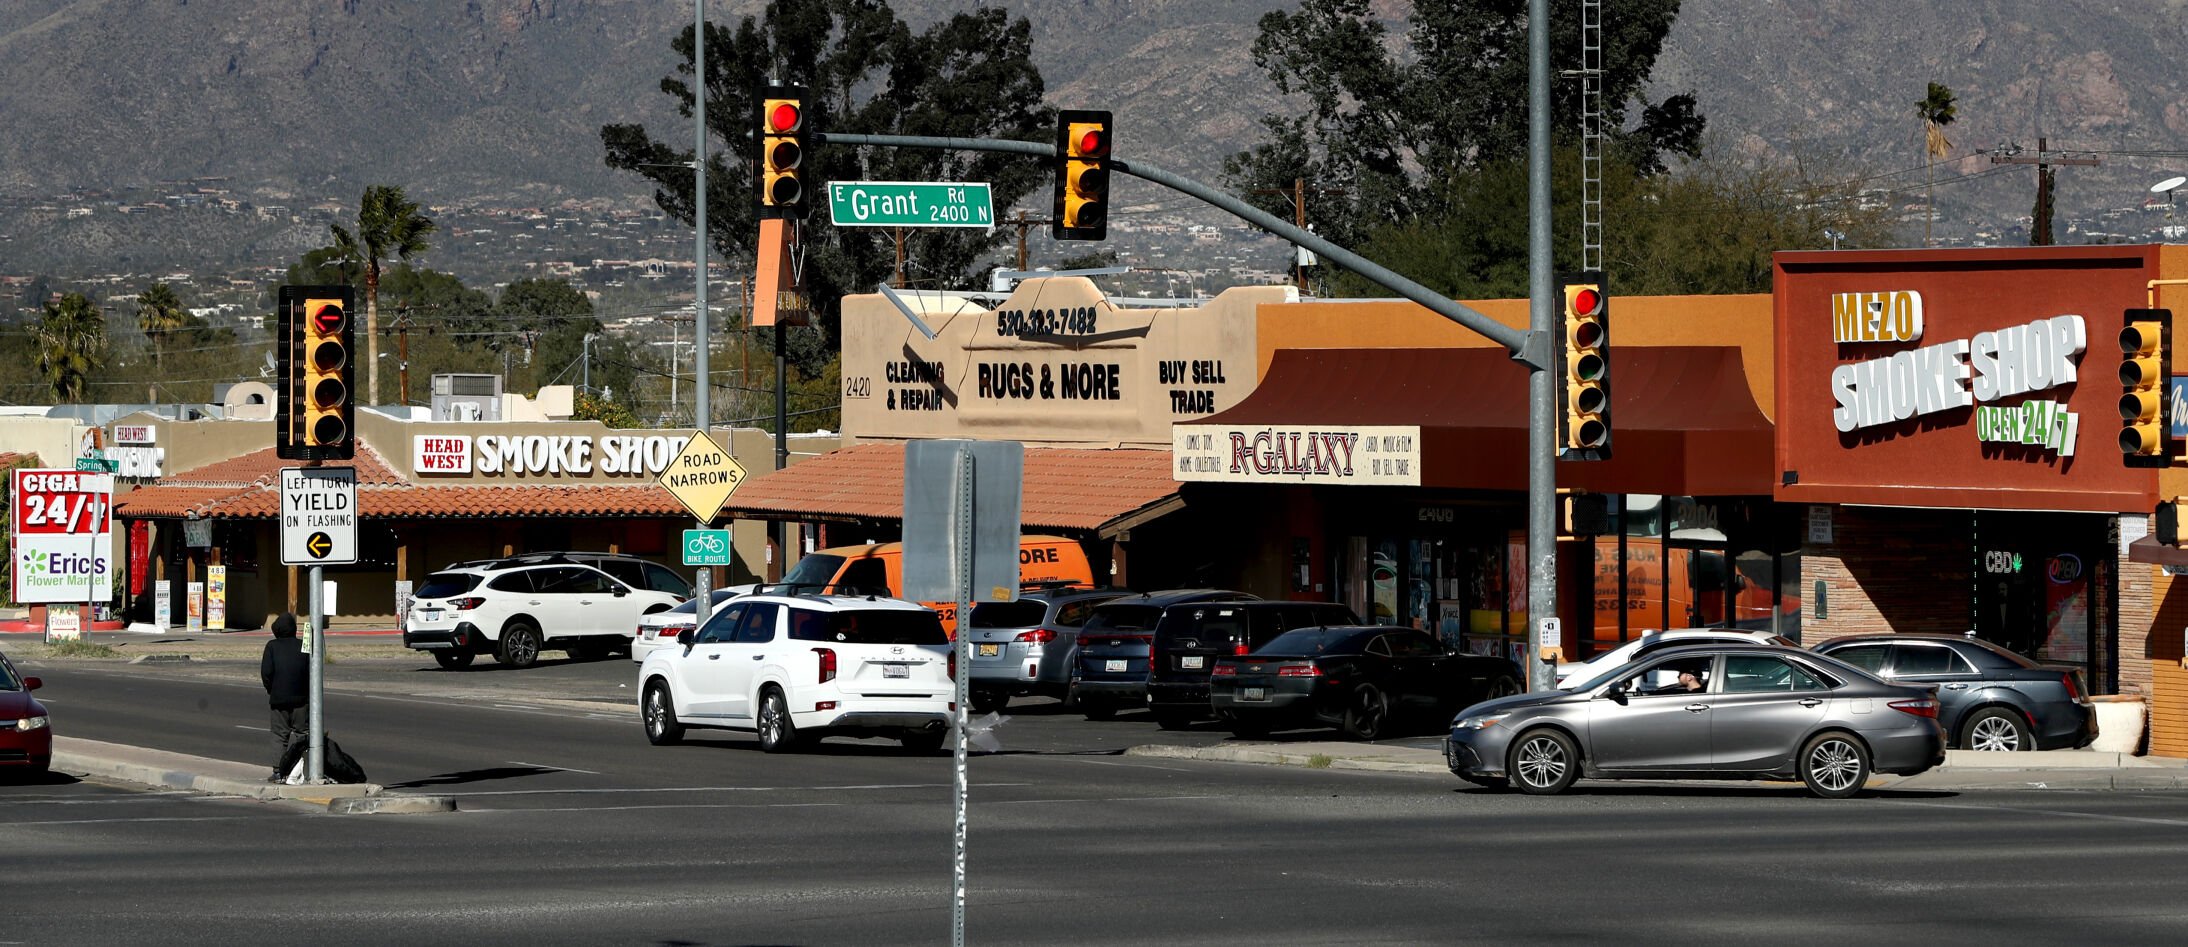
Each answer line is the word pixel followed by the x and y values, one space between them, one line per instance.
pixel 1705 712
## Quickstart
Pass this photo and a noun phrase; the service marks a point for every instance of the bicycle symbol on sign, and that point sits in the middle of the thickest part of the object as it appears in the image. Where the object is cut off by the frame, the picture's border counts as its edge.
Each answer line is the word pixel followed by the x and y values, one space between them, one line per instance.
pixel 710 543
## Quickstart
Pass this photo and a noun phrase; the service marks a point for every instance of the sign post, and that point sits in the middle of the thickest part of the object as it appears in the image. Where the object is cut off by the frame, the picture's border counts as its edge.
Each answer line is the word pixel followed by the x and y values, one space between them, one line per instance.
pixel 961 519
pixel 318 529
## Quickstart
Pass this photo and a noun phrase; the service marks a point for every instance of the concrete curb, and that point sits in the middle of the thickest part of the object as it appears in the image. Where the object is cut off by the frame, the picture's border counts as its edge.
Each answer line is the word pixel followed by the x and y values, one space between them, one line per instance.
pixel 151 767
pixel 1280 757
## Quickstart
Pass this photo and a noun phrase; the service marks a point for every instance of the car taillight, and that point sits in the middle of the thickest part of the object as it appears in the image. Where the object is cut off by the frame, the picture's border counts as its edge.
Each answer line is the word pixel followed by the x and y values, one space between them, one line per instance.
pixel 1239 648
pixel 671 631
pixel 1036 636
pixel 1925 707
pixel 1224 670
pixel 467 603
pixel 1299 670
pixel 2073 689
pixel 953 672
pixel 827 664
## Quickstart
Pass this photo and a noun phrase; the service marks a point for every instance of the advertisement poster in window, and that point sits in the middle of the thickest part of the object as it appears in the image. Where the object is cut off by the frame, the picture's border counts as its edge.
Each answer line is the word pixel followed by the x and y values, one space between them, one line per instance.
pixel 216 597
pixel 163 606
pixel 195 618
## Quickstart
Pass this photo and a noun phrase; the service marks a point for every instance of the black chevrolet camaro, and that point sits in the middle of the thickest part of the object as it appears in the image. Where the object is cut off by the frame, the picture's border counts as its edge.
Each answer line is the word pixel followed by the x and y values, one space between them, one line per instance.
pixel 1362 679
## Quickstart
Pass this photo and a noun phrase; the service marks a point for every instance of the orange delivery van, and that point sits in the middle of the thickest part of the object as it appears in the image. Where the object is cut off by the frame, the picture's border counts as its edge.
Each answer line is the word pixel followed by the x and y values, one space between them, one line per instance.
pixel 1042 561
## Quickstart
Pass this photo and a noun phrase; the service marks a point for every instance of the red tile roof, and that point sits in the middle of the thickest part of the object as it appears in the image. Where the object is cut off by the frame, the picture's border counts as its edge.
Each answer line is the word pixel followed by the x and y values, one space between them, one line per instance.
pixel 9 458
pixel 245 488
pixel 1065 488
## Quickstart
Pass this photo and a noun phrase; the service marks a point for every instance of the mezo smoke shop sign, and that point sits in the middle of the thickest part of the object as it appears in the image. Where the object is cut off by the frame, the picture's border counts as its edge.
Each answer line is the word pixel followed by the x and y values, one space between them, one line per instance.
pixel 1987 367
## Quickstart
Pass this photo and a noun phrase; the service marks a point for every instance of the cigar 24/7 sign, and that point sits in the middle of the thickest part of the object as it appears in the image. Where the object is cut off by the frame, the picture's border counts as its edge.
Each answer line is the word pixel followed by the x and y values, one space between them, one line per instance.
pixel 60 538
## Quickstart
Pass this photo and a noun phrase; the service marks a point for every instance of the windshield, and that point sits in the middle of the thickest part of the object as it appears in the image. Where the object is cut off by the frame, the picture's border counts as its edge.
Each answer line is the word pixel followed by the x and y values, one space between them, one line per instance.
pixel 1315 641
pixel 7 678
pixel 868 626
pixel 1019 614
pixel 1123 618
pixel 445 584
pixel 816 569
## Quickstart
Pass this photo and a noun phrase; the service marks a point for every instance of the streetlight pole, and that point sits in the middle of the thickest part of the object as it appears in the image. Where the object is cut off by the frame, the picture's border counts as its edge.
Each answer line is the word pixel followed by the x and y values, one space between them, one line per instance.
pixel 705 574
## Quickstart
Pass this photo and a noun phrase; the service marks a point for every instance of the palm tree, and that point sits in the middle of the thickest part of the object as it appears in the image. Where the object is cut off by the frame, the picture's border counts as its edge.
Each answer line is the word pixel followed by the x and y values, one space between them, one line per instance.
pixel 71 340
pixel 386 224
pixel 1936 111
pixel 159 313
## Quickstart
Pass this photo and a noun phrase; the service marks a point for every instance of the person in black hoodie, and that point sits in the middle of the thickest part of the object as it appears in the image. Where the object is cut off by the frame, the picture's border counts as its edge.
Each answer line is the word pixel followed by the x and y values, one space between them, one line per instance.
pixel 287 676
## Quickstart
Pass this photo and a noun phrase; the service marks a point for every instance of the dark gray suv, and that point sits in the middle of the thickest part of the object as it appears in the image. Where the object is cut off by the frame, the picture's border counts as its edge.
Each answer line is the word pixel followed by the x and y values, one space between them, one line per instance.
pixel 1989 698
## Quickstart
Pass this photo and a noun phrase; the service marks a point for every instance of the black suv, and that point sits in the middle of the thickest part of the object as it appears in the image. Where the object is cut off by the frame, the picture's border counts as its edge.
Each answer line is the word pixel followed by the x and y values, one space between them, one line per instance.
pixel 1110 671
pixel 1189 638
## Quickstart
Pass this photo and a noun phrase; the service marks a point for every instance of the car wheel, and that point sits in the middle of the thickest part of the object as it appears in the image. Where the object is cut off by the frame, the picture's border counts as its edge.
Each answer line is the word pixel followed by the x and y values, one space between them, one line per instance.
pixel 1834 765
pixel 1501 686
pixel 777 733
pixel 1543 763
pixel 923 741
pixel 518 647
pixel 1173 719
pixel 989 700
pixel 452 659
pixel 1994 730
pixel 1367 713
pixel 660 714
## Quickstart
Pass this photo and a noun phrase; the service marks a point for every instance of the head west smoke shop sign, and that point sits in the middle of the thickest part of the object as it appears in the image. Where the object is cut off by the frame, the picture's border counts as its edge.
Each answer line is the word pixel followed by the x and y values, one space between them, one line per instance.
pixel 1987 367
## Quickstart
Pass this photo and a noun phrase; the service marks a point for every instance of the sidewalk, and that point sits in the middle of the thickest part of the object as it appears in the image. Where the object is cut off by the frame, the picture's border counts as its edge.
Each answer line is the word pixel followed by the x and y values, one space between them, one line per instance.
pixel 1963 769
pixel 151 767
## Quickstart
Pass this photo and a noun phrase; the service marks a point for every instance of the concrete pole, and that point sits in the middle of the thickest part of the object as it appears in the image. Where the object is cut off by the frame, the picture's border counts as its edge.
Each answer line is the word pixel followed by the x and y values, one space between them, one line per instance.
pixel 1541 385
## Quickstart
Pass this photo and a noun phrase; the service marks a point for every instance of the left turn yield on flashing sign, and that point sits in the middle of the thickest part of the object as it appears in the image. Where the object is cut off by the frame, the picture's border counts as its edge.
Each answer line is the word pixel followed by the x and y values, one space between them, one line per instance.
pixel 318 516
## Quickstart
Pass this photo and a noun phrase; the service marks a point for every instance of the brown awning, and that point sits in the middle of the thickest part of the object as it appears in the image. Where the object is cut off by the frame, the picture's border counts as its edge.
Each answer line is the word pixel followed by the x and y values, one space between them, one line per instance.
pixel 1066 489
pixel 1683 421
pixel 2148 549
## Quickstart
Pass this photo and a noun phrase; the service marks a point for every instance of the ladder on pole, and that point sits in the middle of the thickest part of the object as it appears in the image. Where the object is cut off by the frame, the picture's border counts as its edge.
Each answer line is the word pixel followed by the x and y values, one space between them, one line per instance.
pixel 1591 135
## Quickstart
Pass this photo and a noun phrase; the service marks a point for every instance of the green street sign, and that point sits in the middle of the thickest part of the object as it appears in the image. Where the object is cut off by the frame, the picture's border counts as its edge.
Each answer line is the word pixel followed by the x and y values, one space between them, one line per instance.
pixel 707 547
pixel 910 204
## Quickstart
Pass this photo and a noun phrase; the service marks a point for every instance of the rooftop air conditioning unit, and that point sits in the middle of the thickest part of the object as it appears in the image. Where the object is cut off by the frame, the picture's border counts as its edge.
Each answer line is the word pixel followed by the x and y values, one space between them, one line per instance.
pixel 467 397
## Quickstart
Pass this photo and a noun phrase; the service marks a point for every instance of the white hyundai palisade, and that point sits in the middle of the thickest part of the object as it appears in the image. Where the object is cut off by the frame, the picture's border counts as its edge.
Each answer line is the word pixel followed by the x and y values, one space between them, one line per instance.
pixel 795 668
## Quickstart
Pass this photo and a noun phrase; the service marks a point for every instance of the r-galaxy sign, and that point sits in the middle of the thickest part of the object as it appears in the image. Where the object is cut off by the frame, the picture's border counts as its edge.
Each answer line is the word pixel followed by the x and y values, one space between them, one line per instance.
pixel 1986 367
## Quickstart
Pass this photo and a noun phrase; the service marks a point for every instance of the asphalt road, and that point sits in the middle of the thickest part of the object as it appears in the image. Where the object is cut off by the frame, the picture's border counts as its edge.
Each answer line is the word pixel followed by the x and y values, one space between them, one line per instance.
pixel 575 831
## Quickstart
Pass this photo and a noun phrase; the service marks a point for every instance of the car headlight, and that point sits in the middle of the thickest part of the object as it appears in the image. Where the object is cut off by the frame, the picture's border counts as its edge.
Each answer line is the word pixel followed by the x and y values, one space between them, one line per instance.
pixel 28 724
pixel 1481 722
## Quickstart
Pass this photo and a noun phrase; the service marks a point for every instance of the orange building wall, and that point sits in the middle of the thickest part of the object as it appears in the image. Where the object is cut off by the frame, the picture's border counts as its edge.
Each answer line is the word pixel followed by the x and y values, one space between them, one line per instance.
pixel 1743 321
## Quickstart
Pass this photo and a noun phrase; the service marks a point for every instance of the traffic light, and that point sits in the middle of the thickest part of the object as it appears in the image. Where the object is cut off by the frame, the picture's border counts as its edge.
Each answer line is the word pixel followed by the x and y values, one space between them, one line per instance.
pixel 1082 176
pixel 2166 529
pixel 782 151
pixel 315 419
pixel 1584 427
pixel 2146 416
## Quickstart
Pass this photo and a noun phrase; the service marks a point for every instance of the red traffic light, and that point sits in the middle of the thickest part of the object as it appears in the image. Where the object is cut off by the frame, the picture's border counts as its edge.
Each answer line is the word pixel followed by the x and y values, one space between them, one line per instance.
pixel 784 117
pixel 327 320
pixel 1091 143
pixel 1587 301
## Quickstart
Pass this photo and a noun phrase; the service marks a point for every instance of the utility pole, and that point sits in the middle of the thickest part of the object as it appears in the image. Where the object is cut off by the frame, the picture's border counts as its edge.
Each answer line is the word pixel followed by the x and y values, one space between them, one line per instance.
pixel 1298 196
pixel 2039 225
pixel 402 354
pixel 895 279
pixel 1022 223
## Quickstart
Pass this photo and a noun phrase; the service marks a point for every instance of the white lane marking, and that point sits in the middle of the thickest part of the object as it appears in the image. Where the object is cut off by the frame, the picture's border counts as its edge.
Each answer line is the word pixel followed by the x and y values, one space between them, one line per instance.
pixel 647 789
pixel 2103 817
pixel 669 805
pixel 198 818
pixel 1020 802
pixel 1166 769
pixel 565 769
pixel 245 726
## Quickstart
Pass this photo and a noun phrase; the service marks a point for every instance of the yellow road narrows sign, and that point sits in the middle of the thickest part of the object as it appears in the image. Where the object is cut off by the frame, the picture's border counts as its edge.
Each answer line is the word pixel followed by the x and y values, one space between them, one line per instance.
pixel 702 477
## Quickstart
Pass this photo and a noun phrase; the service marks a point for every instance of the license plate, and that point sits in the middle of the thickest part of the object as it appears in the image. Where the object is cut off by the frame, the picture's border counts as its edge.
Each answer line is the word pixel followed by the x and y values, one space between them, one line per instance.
pixel 1114 667
pixel 896 670
pixel 431 614
pixel 1189 661
pixel 1254 693
pixel 990 650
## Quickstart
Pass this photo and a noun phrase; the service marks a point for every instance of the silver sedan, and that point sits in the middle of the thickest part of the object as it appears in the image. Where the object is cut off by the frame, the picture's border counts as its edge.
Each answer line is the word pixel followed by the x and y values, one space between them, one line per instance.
pixel 1705 712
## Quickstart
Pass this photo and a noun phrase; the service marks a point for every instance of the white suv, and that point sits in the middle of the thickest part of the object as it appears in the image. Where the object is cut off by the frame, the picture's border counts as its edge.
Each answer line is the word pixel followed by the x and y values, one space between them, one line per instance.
pixel 513 608
pixel 795 668
pixel 1651 642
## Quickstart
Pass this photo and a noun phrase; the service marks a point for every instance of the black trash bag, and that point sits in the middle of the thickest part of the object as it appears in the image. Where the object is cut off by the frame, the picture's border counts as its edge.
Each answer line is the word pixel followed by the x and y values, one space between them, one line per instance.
pixel 337 765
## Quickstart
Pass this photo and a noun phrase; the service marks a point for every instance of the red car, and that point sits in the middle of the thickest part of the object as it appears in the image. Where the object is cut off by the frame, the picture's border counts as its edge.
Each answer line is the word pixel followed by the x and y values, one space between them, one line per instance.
pixel 26 734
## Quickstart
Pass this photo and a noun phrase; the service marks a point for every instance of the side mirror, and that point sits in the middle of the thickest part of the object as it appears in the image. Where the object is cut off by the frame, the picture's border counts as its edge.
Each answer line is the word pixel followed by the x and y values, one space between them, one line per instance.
pixel 621 591
pixel 1618 691
pixel 687 637
pixel 33 683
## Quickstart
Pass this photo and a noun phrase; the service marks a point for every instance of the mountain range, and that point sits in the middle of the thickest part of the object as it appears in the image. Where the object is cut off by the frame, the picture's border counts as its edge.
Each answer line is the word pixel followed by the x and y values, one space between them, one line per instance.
pixel 501 101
